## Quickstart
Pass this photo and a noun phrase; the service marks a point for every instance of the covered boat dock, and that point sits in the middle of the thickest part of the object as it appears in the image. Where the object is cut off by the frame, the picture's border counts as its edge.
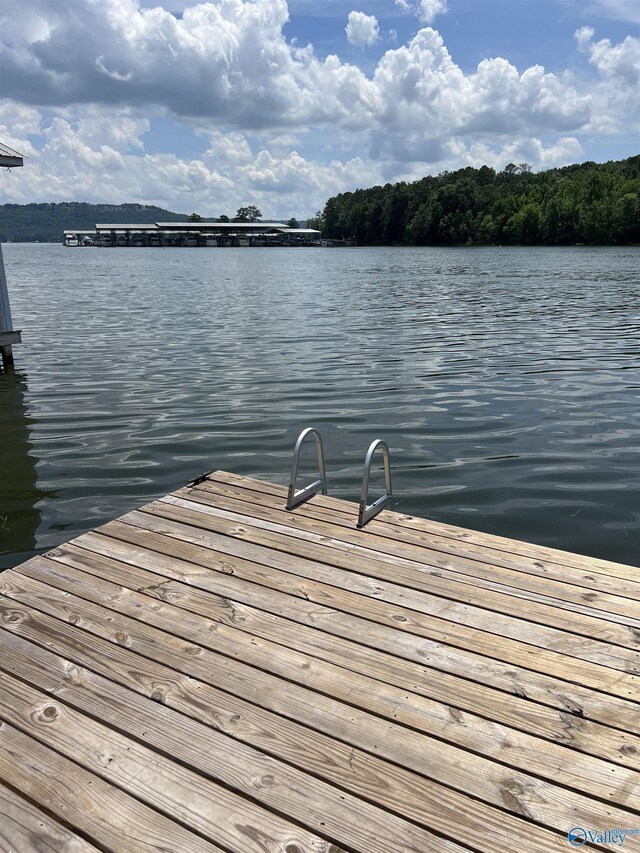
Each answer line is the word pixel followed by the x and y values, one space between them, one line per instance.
pixel 194 234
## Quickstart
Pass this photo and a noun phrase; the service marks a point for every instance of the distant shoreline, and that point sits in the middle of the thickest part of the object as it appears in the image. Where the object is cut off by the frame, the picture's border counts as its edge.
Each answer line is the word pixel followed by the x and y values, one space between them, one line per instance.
pixel 591 204
pixel 406 245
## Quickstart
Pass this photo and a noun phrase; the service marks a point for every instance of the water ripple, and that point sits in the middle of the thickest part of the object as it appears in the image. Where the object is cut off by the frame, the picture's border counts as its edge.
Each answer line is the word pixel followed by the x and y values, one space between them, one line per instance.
pixel 505 381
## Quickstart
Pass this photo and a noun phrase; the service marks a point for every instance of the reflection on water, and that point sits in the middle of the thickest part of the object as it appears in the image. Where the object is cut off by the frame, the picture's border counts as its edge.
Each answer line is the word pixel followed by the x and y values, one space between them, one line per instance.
pixel 506 381
pixel 19 495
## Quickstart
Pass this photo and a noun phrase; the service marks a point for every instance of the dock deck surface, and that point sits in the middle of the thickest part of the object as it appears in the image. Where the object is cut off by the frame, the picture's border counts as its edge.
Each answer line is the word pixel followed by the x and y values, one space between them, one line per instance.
pixel 213 673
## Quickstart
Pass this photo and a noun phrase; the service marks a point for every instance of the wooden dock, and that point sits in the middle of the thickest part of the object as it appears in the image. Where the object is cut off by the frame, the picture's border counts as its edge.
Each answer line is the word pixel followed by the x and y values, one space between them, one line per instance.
pixel 213 673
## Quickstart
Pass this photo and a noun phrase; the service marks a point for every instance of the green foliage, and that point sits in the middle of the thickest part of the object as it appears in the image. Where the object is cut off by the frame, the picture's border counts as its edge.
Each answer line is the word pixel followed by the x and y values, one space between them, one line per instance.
pixel 584 203
pixel 250 213
pixel 26 223
pixel 194 217
pixel 293 223
pixel 223 218
pixel 316 221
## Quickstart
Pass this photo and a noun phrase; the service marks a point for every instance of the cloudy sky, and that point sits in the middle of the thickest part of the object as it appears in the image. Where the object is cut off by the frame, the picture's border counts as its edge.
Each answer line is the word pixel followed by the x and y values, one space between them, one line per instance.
pixel 209 106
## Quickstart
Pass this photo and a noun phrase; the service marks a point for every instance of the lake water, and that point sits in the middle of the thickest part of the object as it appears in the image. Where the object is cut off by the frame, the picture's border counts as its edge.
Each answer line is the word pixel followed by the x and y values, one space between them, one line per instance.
pixel 505 381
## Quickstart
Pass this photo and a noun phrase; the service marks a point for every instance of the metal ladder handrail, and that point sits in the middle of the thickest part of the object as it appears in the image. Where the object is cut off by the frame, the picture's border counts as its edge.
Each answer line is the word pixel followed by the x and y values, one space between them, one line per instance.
pixel 294 498
pixel 366 513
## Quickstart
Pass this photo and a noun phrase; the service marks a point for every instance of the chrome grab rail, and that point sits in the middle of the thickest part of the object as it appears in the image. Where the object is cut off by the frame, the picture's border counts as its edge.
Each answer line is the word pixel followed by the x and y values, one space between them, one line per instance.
pixel 366 513
pixel 294 498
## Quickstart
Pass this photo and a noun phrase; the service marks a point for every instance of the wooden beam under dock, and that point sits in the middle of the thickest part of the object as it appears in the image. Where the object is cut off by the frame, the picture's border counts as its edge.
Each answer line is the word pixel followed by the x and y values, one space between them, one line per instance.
pixel 213 673
pixel 9 338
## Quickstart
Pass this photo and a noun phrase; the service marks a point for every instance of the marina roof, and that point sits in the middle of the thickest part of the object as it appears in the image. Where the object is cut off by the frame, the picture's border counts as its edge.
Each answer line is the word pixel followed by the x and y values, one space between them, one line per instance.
pixel 302 231
pixel 201 226
pixel 9 157
pixel 122 226
pixel 228 226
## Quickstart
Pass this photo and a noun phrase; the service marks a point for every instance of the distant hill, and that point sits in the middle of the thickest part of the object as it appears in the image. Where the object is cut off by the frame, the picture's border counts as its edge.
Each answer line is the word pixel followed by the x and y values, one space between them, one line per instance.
pixel 26 223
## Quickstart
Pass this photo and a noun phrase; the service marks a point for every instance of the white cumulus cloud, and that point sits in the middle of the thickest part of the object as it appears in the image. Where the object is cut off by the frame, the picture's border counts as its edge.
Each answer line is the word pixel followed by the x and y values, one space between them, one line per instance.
pixel 92 81
pixel 617 93
pixel 362 29
pixel 426 11
pixel 426 100
pixel 621 10
pixel 72 163
pixel 613 61
pixel 229 65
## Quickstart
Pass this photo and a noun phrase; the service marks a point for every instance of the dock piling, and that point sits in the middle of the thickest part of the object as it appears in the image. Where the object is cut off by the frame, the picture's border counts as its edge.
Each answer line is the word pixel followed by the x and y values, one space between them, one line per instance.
pixel 8 158
pixel 7 358
pixel 7 336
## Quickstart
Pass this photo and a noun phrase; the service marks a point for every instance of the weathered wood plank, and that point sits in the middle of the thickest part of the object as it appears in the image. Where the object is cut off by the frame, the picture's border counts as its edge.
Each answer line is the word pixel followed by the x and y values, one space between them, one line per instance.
pixel 467 564
pixel 366 775
pixel 619 646
pixel 376 600
pixel 348 819
pixel 464 771
pixel 479 735
pixel 427 664
pixel 112 819
pixel 502 607
pixel 473 697
pixel 552 558
pixel 580 733
pixel 219 815
pixel 614 669
pixel 272 783
pixel 284 683
pixel 24 827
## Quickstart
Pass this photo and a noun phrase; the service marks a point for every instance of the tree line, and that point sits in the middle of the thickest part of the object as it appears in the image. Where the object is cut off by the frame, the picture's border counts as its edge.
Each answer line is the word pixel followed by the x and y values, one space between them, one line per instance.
pixel 250 213
pixel 588 203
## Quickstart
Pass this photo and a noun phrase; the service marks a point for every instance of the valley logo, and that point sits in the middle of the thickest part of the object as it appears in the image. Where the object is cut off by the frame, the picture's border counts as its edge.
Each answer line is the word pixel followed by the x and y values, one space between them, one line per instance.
pixel 578 836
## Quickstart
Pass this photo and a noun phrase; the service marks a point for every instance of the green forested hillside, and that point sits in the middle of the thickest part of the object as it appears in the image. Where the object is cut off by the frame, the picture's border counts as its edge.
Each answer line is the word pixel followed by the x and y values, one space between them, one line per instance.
pixel 47 222
pixel 587 203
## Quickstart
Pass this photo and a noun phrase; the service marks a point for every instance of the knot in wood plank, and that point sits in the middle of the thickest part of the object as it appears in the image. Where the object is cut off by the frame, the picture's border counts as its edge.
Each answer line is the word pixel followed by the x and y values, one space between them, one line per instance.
pixel 123 639
pixel 13 616
pixel 266 781
pixel 46 714
pixel 509 792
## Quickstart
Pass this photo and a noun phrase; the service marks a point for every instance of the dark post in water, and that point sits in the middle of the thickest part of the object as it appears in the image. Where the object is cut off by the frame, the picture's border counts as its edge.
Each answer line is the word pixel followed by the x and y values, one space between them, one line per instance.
pixel 8 336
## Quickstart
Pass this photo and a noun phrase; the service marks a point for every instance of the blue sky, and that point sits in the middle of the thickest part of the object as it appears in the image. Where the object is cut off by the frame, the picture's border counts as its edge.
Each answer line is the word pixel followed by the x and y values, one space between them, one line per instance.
pixel 209 106
pixel 524 31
